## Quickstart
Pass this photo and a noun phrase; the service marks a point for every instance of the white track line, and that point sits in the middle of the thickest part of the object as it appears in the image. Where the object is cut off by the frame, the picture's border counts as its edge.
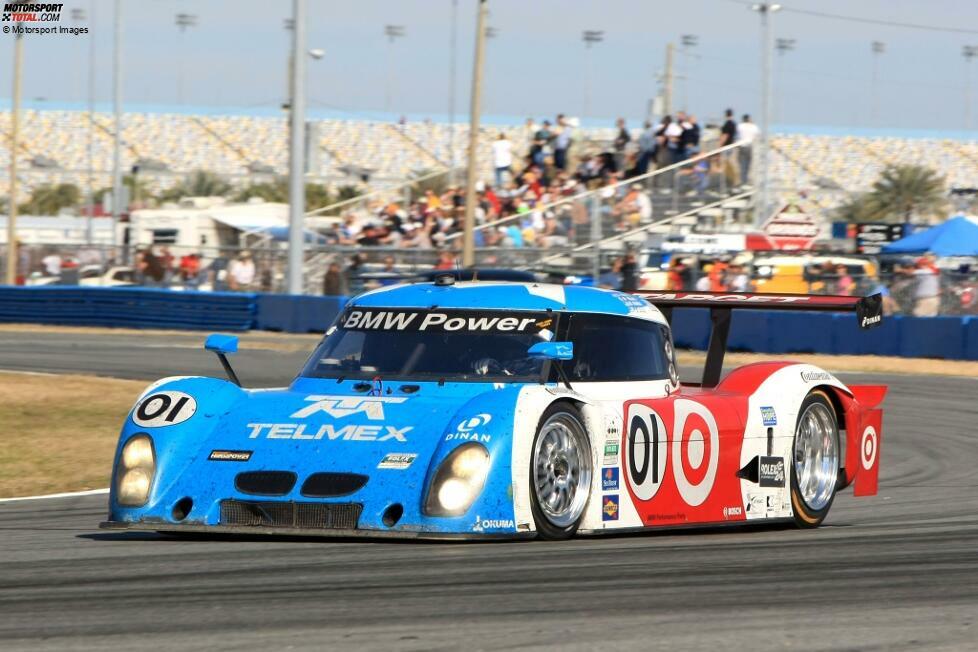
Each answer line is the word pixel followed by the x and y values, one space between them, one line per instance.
pixel 71 494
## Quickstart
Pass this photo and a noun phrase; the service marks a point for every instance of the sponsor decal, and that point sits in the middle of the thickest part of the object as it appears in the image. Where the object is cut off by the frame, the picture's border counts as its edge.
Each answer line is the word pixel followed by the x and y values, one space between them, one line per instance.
pixel 678 516
pixel 869 321
pixel 768 416
pixel 732 512
pixel 398 461
pixel 229 456
pixel 328 431
pixel 344 406
pixel 444 321
pixel 730 298
pixel 757 504
pixel 164 409
pixel 868 447
pixel 609 508
pixel 609 479
pixel 465 431
pixel 770 472
pixel 815 376
pixel 693 453
pixel 611 452
pixel 483 524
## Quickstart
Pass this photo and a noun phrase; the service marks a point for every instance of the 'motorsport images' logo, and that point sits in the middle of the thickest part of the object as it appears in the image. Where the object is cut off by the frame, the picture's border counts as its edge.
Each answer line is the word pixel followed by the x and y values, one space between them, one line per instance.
pixel 29 12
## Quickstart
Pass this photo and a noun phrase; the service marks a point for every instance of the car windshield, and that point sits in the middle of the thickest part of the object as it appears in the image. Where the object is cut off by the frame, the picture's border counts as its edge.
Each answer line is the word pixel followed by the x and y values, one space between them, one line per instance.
pixel 458 345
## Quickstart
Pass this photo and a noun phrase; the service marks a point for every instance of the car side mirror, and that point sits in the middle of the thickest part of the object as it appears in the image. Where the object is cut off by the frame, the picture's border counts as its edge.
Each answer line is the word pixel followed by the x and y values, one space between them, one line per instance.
pixel 223 346
pixel 552 351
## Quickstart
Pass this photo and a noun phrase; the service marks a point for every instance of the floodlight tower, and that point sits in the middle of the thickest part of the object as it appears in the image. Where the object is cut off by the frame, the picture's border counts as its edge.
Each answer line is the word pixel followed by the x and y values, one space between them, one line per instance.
pixel 765 10
pixel 590 37
pixel 393 32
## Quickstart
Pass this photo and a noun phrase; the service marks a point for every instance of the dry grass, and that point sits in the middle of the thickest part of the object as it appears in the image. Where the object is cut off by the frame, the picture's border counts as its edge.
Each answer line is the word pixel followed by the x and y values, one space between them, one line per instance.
pixel 58 433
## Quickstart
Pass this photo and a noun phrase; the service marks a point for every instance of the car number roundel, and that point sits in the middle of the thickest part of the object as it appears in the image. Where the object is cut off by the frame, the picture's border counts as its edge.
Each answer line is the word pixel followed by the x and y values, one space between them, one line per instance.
pixel 646 451
pixel 164 409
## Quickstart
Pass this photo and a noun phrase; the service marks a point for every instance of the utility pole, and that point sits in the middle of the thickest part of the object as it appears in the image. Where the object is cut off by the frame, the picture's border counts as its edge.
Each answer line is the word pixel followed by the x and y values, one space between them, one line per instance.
pixel 969 52
pixel 877 48
pixel 468 235
pixel 452 42
pixel 765 10
pixel 117 137
pixel 183 21
pixel 90 163
pixel 393 32
pixel 297 125
pixel 686 41
pixel 12 253
pixel 783 46
pixel 669 81
pixel 590 37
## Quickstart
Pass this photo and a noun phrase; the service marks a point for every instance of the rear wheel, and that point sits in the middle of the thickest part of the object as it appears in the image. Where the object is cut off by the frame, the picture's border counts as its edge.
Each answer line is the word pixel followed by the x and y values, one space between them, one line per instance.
pixel 815 460
pixel 560 472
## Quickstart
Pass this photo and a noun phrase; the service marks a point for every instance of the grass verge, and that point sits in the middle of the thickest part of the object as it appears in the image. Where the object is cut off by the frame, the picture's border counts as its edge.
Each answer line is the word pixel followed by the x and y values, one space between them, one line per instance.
pixel 58 433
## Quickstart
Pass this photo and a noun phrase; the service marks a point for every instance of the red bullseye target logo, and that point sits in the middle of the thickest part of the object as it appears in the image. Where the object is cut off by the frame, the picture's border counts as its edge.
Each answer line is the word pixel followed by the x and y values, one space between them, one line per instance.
pixel 695 451
pixel 869 447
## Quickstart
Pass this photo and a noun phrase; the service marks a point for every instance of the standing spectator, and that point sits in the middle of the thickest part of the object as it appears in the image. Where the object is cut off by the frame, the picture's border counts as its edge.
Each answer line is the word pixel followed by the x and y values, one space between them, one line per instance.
pixel 541 141
pixel 621 142
pixel 445 260
pixel 611 278
pixel 52 264
pixel 219 272
pixel 562 143
pixel 241 273
pixel 747 131
pixel 739 281
pixel 190 270
pixel 671 135
pixel 629 273
pixel 728 132
pixel 334 282
pixel 690 138
pixel 502 158
pixel 150 268
pixel 844 284
pixel 927 290
pixel 646 149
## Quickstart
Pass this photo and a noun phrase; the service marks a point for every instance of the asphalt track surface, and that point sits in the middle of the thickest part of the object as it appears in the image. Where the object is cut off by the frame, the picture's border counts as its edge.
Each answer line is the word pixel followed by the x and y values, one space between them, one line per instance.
pixel 898 571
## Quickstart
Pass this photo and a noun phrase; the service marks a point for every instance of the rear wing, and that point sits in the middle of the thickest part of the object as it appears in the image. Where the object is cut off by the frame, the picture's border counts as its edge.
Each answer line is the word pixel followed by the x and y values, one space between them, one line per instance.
pixel 869 314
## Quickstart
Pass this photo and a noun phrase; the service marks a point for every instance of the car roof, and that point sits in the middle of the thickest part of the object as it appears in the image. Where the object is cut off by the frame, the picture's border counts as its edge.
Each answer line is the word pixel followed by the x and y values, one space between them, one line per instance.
pixel 492 295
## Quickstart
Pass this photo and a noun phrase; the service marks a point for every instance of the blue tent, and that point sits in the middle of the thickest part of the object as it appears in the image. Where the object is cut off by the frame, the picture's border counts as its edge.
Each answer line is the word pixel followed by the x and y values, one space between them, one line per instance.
pixel 957 236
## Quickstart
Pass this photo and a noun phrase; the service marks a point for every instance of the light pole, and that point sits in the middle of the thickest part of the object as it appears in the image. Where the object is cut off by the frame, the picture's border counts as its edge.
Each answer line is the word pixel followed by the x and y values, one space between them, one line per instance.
pixel 452 44
pixel 117 121
pixel 969 52
pixel 393 33
pixel 12 253
pixel 877 48
pixel 297 121
pixel 783 46
pixel 686 41
pixel 468 235
pixel 183 21
pixel 590 37
pixel 765 10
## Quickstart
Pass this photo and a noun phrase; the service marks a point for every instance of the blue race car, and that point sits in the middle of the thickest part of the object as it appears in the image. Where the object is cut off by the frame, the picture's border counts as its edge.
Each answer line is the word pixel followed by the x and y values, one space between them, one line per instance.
pixel 497 409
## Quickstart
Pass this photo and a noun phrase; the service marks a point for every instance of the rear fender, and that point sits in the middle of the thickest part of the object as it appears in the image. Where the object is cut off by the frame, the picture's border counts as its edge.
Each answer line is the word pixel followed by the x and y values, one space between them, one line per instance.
pixel 864 434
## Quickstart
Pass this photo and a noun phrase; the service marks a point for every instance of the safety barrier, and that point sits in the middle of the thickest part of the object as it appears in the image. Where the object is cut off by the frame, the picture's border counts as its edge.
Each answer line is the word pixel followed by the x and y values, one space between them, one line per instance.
pixel 952 338
pixel 127 308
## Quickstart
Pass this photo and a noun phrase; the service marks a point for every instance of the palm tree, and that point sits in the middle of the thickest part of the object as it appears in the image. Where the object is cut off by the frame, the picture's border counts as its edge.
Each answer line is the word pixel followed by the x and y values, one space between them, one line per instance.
pixel 199 183
pixel 903 192
pixel 49 199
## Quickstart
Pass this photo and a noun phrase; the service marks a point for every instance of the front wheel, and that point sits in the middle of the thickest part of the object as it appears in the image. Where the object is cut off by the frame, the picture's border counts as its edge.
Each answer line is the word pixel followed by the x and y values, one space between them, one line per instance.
pixel 815 460
pixel 560 472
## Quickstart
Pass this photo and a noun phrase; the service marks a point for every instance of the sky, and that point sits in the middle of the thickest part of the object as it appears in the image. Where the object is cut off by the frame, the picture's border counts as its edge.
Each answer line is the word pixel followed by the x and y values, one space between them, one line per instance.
pixel 235 59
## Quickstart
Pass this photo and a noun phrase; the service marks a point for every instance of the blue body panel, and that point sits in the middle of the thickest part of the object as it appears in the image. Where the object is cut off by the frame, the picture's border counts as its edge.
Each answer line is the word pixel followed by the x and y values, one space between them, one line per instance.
pixel 230 418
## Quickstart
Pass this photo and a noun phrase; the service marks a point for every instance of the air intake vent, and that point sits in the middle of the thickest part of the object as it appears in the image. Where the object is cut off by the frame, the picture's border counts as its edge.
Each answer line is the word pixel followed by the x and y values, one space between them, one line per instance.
pixel 318 516
pixel 265 483
pixel 324 485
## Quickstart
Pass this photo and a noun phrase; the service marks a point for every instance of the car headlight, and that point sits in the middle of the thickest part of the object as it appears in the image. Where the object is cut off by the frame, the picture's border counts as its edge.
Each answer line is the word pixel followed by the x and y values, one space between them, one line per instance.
pixel 459 481
pixel 134 476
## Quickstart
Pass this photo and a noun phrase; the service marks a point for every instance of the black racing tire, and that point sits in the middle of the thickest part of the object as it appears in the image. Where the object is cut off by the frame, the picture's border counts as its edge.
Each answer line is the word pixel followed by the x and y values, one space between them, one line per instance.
pixel 810 507
pixel 554 473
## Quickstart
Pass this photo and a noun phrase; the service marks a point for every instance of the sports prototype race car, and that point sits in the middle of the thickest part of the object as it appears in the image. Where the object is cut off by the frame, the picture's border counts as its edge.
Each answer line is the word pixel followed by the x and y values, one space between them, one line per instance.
pixel 457 409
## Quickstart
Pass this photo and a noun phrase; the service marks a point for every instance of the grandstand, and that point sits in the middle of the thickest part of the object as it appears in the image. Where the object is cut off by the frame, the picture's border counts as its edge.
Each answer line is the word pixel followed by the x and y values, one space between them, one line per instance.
pixel 247 148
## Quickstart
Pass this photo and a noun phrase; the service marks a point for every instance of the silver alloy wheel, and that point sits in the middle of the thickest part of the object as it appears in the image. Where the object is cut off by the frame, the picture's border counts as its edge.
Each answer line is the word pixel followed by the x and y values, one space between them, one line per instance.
pixel 562 469
pixel 816 456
